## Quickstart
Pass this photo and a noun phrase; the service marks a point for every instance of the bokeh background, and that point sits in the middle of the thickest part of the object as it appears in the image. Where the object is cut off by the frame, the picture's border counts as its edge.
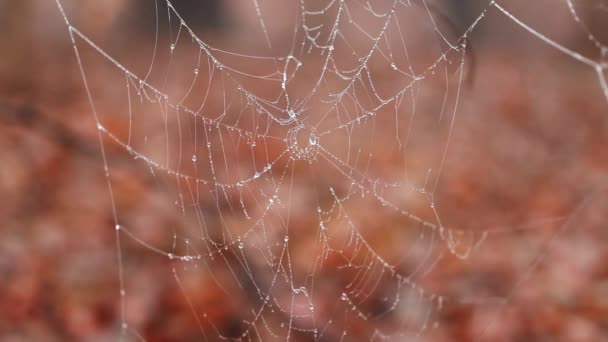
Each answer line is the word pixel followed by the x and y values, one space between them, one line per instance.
pixel 525 176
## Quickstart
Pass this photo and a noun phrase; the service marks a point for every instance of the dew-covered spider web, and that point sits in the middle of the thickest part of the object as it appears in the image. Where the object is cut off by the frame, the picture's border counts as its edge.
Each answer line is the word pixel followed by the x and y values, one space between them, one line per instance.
pixel 302 172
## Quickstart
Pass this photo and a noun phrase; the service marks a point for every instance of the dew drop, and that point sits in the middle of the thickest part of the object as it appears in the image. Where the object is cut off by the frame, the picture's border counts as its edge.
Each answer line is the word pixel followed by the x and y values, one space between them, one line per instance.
pixel 313 140
pixel 194 157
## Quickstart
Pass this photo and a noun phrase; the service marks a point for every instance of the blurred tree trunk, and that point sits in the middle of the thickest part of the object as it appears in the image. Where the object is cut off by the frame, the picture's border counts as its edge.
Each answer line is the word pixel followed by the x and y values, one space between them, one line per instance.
pixel 198 14
pixel 462 12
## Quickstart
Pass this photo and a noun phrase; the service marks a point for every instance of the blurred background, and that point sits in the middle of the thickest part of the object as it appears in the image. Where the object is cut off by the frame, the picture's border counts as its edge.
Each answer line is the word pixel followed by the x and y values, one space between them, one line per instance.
pixel 255 201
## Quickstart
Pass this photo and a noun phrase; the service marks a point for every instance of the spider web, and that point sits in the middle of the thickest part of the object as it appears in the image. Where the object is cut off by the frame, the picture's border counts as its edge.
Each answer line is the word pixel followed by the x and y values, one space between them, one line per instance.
pixel 308 197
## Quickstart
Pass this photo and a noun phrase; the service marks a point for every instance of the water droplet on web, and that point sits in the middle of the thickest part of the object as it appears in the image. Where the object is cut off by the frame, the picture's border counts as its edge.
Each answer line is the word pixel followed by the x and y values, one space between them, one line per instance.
pixel 313 139
pixel 256 175
pixel 393 66
pixel 286 238
pixel 344 297
pixel 170 255
pixel 172 47
pixel 196 71
pixel 194 157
